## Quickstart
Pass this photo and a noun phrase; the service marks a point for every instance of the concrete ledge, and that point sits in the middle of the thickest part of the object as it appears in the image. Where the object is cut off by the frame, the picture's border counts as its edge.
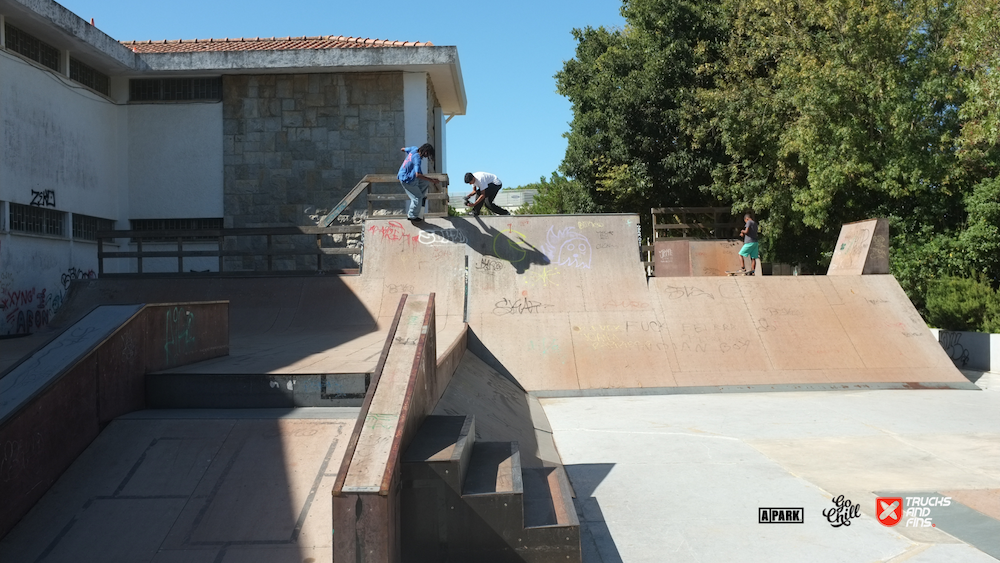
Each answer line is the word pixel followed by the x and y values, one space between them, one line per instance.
pixel 970 350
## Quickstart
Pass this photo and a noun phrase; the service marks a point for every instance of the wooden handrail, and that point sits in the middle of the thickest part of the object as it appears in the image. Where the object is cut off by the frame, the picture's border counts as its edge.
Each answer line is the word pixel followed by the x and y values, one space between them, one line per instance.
pixel 352 444
pixel 364 184
pixel 405 425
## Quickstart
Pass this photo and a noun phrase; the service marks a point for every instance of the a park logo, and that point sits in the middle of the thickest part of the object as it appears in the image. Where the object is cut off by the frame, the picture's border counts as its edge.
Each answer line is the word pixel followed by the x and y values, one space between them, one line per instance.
pixel 842 512
pixel 780 515
pixel 889 510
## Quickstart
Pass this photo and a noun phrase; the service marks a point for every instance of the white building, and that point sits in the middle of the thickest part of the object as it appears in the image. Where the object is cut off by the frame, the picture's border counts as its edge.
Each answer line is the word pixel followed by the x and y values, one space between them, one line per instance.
pixel 97 134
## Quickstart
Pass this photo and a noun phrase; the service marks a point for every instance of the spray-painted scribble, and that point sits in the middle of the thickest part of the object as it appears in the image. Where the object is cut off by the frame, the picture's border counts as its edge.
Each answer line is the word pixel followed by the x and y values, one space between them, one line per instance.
pixel 179 334
pixel 442 236
pixel 567 248
pixel 44 198
pixel 544 277
pixel 952 344
pixel 76 274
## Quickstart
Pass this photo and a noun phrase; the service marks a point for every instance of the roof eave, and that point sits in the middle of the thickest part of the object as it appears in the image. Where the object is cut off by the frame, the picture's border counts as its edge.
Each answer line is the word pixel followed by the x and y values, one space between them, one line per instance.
pixel 440 63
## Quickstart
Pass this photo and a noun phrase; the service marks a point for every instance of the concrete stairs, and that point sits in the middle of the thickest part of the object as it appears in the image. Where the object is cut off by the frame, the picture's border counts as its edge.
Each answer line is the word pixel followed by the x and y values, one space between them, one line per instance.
pixel 464 500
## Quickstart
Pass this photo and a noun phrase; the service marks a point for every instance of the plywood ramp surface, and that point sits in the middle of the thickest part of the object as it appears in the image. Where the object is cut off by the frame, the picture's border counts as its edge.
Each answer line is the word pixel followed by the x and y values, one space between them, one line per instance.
pixel 562 304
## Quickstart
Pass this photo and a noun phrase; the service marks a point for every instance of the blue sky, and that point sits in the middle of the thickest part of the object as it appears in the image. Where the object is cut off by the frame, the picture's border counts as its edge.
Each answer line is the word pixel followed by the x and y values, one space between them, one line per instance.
pixel 509 51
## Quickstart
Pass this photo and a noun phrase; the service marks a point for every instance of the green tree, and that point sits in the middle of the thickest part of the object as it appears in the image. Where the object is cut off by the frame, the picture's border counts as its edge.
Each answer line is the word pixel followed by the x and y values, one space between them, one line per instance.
pixel 833 112
pixel 557 195
pixel 632 91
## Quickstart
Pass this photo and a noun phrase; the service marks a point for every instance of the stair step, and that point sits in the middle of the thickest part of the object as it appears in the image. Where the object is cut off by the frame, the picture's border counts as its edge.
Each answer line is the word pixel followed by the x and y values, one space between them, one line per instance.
pixel 441 448
pixel 495 468
pixel 548 498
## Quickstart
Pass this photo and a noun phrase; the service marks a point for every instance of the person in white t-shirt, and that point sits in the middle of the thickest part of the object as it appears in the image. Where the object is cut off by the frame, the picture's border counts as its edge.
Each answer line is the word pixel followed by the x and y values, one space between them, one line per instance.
pixel 485 187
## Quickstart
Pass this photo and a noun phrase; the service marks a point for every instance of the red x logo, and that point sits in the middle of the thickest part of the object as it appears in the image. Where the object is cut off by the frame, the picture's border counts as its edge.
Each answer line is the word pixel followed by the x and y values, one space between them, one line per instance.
pixel 889 510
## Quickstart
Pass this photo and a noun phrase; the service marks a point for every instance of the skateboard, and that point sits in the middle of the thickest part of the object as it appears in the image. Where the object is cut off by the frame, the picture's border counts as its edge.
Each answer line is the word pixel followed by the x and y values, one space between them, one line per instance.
pixel 740 273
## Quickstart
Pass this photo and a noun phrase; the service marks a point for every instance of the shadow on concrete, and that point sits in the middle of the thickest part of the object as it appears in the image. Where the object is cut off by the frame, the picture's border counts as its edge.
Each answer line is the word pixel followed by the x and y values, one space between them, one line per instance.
pixel 490 241
pixel 595 537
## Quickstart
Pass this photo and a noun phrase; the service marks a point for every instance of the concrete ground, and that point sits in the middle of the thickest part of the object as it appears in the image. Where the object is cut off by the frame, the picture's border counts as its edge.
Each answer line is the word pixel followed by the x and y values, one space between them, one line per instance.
pixel 212 486
pixel 680 478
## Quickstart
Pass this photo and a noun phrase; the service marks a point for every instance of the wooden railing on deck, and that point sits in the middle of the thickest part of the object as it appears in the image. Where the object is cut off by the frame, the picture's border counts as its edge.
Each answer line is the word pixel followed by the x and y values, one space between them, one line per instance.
pixel 218 236
pixel 437 196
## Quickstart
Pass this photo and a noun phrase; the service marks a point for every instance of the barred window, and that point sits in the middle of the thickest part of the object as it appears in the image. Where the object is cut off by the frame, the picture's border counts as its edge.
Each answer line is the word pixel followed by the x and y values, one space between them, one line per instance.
pixel 88 76
pixel 175 225
pixel 30 219
pixel 31 47
pixel 85 227
pixel 174 89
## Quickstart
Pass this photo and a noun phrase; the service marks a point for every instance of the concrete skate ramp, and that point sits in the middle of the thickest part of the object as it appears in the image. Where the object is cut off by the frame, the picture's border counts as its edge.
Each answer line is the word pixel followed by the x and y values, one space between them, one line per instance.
pixel 561 304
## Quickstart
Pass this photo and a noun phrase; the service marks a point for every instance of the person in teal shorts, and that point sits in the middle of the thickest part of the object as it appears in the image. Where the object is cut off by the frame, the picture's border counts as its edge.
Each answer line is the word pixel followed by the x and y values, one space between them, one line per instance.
pixel 749 234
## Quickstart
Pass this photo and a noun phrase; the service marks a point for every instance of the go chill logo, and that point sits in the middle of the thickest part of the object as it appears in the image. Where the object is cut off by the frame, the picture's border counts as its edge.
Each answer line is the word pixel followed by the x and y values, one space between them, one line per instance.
pixel 914 511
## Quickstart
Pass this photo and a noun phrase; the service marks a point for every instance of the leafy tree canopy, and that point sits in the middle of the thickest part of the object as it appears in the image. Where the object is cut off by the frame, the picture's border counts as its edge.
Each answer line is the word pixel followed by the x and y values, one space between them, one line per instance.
pixel 812 113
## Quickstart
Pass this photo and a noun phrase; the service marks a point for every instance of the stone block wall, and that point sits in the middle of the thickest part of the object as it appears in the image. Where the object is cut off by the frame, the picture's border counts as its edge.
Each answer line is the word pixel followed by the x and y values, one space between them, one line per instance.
pixel 295 144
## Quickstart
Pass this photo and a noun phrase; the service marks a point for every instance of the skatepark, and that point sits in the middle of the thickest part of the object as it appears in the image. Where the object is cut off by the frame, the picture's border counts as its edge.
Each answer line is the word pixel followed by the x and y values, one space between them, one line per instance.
pixel 498 388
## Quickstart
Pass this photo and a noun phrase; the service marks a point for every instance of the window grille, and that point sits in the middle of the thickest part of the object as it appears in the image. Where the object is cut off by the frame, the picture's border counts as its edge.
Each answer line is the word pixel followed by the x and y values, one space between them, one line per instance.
pixel 85 227
pixel 88 76
pixel 39 220
pixel 174 89
pixel 175 225
pixel 31 47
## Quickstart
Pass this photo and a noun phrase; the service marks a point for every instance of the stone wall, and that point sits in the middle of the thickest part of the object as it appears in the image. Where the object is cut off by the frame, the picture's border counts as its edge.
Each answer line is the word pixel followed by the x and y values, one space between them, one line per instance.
pixel 294 145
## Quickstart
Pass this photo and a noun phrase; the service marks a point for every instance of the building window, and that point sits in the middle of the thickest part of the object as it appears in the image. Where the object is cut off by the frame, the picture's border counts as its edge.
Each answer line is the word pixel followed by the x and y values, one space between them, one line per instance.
pixel 179 225
pixel 85 227
pixel 31 47
pixel 174 89
pixel 88 76
pixel 39 220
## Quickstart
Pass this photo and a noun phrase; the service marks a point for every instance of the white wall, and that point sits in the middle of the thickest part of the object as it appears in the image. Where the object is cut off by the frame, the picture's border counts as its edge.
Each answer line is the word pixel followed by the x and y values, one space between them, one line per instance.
pixel 57 136
pixel 54 135
pixel 415 110
pixel 175 160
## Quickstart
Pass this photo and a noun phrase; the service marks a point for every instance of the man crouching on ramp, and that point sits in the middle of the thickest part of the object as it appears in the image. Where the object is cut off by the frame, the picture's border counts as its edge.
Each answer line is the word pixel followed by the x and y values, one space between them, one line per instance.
pixel 485 187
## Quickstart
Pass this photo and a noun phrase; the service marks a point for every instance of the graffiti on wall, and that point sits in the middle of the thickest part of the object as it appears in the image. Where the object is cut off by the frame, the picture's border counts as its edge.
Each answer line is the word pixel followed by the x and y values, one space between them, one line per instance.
pixel 44 198
pixel 567 247
pixel 76 274
pixel 26 310
pixel 952 344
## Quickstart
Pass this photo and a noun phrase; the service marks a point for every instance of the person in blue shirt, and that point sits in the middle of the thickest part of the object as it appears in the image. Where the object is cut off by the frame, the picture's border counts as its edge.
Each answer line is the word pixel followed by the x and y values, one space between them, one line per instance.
pixel 412 176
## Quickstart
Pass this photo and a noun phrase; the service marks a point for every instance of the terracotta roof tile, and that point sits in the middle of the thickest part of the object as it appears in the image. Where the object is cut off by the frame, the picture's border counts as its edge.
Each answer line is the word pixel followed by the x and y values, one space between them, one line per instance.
pixel 266 44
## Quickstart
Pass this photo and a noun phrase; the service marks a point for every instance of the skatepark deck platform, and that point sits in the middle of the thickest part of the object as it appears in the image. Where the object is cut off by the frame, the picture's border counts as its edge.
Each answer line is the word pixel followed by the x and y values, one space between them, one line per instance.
pixel 561 304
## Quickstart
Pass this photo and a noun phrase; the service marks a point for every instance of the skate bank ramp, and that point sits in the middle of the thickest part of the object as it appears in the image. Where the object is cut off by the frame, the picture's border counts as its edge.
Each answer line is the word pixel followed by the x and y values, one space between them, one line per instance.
pixel 562 305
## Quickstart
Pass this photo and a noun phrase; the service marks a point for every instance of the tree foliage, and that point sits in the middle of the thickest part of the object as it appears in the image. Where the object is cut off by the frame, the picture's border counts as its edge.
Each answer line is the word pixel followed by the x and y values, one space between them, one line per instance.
pixel 630 145
pixel 557 195
pixel 812 113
